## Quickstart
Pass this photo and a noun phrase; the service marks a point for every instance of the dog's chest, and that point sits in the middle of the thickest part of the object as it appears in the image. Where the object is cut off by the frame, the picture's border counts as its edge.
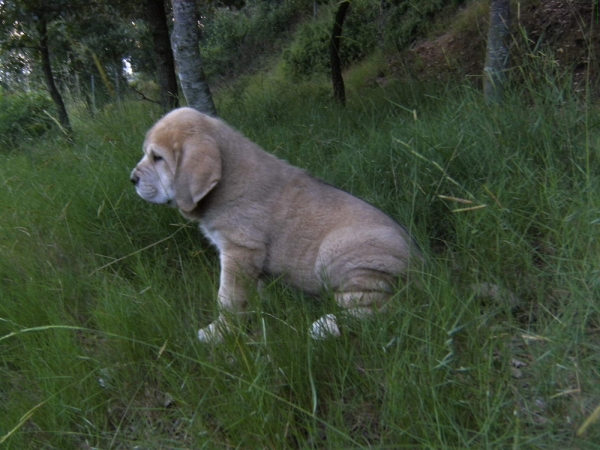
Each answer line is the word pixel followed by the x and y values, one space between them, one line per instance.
pixel 213 236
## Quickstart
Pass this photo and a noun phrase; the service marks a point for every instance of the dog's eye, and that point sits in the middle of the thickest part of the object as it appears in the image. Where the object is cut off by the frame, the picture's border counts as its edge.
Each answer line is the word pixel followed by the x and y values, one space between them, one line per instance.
pixel 156 157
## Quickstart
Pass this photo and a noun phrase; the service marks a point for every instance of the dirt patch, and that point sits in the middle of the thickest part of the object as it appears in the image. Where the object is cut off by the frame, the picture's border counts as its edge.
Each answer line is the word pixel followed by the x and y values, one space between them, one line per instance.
pixel 569 30
pixel 565 31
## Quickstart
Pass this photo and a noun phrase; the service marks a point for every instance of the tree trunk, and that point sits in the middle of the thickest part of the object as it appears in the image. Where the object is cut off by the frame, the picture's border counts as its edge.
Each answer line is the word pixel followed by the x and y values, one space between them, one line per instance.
pixel 384 9
pixel 339 91
pixel 63 117
pixel 186 48
pixel 163 55
pixel 497 56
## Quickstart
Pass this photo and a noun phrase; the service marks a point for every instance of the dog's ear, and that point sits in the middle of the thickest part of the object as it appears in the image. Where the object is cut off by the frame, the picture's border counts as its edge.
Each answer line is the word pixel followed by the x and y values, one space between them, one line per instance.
pixel 198 171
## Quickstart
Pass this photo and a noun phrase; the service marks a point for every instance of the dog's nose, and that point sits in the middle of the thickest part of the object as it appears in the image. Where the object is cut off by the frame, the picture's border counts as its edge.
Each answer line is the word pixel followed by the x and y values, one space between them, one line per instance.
pixel 134 179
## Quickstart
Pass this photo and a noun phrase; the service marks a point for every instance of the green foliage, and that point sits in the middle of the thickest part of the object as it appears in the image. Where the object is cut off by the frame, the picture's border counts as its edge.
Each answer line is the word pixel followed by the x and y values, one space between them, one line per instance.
pixel 366 27
pixel 310 54
pixel 75 33
pixel 233 40
pixel 23 116
pixel 405 21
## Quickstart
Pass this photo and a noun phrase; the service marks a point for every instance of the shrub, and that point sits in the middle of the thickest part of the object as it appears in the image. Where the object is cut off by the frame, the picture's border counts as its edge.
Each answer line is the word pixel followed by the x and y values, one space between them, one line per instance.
pixel 309 53
pixel 23 116
pixel 234 40
pixel 404 21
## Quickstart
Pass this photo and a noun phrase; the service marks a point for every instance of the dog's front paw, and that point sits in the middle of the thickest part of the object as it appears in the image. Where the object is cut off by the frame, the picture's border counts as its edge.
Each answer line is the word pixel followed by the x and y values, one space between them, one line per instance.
pixel 325 327
pixel 212 333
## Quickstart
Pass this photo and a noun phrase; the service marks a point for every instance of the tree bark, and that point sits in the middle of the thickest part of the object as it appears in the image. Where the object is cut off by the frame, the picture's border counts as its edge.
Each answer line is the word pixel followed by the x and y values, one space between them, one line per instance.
pixel 163 54
pixel 63 117
pixel 186 48
pixel 497 55
pixel 339 90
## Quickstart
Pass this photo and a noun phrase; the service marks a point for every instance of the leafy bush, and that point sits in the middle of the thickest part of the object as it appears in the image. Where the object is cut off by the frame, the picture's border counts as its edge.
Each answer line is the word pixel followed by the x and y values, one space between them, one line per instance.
pixel 23 116
pixel 309 53
pixel 404 21
pixel 234 39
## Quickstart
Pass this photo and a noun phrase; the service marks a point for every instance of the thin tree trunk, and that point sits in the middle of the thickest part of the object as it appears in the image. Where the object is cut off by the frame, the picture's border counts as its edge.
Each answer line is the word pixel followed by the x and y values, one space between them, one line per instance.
pixel 339 90
pixel 186 48
pixel 497 56
pixel 63 117
pixel 384 7
pixel 163 54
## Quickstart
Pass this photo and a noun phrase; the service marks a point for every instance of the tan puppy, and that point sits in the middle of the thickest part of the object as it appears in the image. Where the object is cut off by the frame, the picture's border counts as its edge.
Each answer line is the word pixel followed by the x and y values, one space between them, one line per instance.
pixel 268 218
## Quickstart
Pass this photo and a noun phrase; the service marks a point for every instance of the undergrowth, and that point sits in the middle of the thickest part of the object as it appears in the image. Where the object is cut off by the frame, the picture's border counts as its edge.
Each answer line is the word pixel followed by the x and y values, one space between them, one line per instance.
pixel 23 117
pixel 102 293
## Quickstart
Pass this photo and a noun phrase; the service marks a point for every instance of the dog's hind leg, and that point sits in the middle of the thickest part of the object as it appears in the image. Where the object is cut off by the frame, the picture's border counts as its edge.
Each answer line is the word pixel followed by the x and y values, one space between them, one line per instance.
pixel 327 326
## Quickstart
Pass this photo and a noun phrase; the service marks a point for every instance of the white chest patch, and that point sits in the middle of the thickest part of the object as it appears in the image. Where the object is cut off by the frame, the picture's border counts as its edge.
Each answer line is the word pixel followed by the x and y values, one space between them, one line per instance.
pixel 214 237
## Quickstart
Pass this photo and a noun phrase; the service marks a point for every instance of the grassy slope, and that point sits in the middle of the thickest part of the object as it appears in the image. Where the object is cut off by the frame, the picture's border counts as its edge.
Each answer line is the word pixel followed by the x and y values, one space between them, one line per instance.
pixel 443 368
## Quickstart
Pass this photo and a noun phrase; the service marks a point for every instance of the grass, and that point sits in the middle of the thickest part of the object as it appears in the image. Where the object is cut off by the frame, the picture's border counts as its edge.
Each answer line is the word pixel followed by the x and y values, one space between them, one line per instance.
pixel 102 294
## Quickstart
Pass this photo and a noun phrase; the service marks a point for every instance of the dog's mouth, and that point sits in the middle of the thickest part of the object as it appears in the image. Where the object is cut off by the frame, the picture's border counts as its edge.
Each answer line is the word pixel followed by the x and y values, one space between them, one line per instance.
pixel 153 195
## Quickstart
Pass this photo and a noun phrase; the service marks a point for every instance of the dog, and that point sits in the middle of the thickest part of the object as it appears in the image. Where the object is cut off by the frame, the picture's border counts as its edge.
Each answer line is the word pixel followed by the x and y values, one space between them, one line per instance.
pixel 269 218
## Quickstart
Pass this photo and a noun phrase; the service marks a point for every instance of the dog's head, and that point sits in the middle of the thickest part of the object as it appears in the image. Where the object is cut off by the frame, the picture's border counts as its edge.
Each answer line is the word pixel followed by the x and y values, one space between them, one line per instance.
pixel 181 162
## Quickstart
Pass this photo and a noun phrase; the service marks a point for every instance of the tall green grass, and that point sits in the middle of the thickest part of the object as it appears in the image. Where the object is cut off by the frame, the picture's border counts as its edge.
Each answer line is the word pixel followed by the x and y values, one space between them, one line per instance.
pixel 102 294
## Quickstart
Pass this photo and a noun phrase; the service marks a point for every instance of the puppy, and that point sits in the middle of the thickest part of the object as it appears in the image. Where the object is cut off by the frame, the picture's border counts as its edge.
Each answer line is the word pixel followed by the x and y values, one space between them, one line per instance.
pixel 268 218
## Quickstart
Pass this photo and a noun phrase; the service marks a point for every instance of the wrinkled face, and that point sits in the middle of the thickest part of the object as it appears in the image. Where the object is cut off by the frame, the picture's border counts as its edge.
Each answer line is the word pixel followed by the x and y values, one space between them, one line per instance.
pixel 154 175
pixel 181 162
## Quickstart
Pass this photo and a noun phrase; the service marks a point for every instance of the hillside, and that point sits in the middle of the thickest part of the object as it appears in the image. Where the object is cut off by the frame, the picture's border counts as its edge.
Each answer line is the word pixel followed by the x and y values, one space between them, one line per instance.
pixel 564 33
